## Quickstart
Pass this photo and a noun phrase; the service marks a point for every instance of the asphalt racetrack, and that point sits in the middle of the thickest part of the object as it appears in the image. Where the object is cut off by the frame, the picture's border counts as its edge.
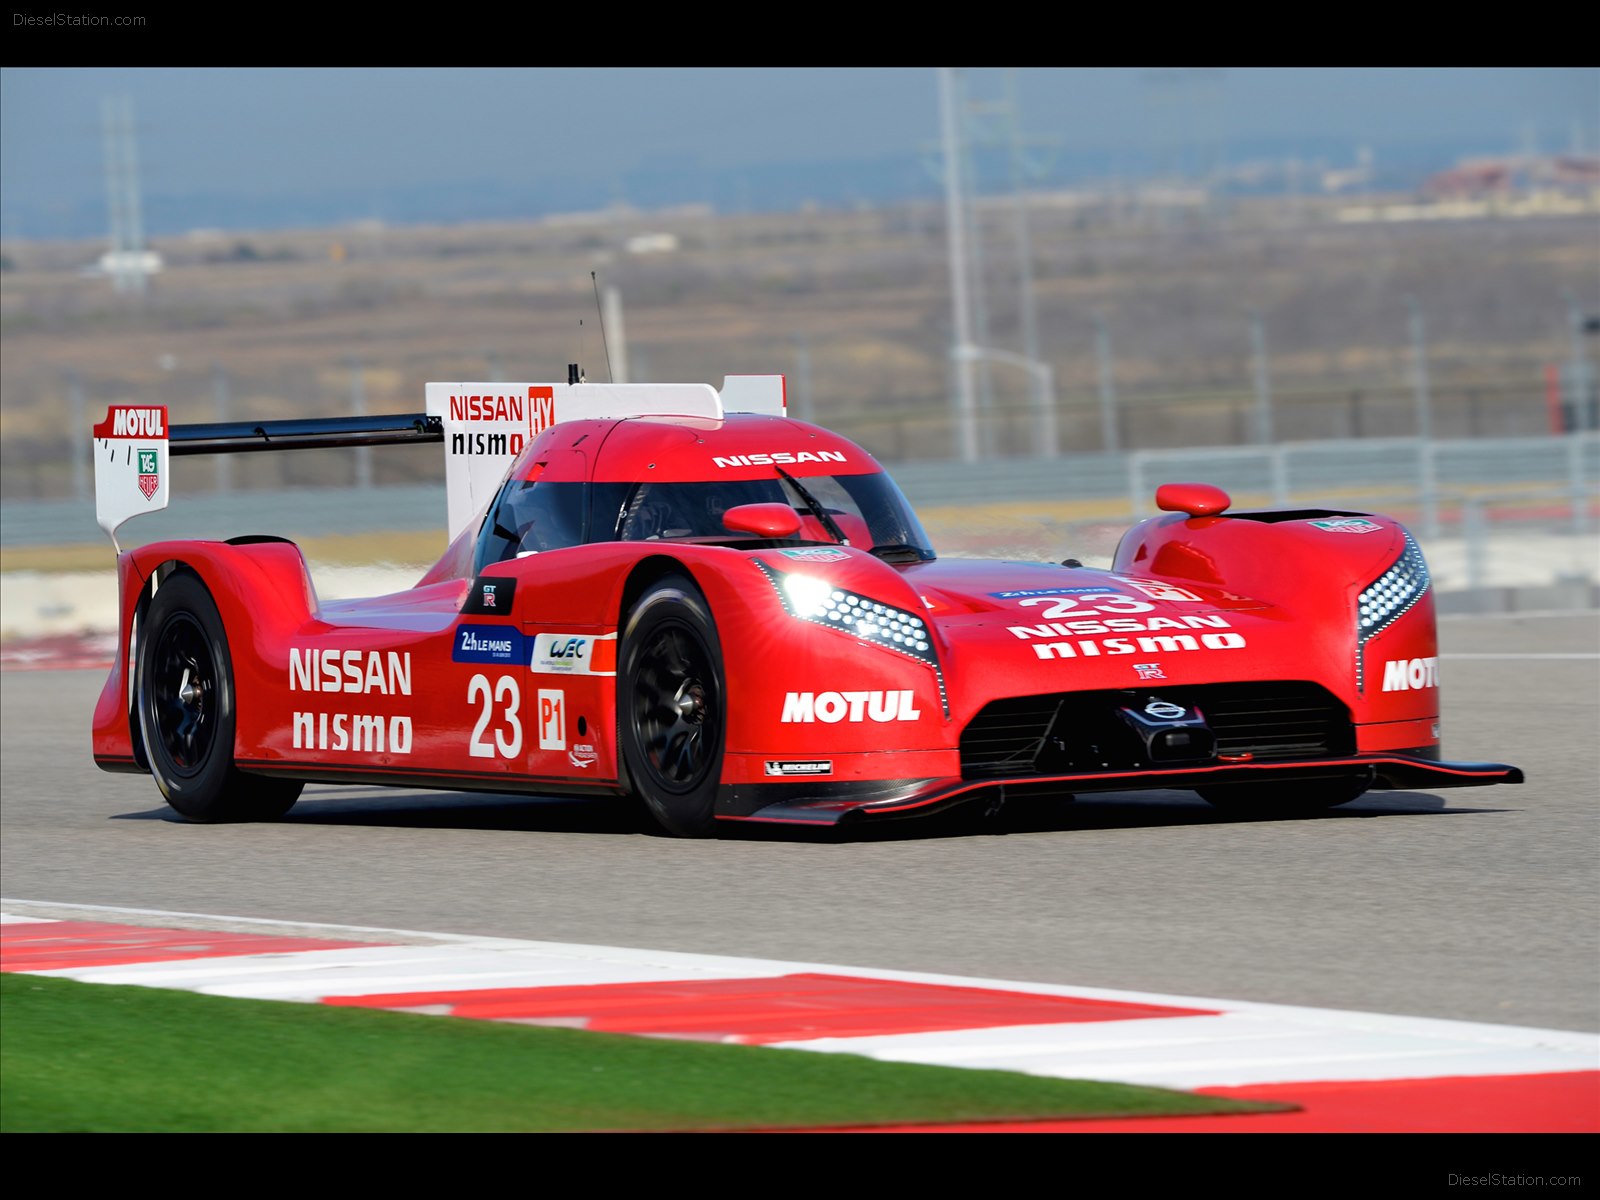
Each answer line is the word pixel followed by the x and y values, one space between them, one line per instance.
pixel 1476 904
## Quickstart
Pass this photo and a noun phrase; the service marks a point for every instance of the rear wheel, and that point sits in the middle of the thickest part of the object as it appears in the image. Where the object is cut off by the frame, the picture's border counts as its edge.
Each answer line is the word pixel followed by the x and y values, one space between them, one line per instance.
pixel 670 707
pixel 1298 798
pixel 186 711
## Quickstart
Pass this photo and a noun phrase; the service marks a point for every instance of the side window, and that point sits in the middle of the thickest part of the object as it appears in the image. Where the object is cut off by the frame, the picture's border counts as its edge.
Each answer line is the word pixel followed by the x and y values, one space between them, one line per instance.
pixel 530 516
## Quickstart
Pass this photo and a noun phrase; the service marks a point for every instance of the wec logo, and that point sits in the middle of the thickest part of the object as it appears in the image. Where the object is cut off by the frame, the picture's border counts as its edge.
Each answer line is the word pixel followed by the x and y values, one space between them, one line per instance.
pixel 571 648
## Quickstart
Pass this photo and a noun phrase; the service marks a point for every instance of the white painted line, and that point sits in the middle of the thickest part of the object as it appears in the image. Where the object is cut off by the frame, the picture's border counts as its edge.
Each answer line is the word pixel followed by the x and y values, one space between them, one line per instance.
pixel 1522 656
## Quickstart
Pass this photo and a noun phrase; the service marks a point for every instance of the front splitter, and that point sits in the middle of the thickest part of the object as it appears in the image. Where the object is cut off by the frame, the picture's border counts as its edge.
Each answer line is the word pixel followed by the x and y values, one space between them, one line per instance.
pixel 830 804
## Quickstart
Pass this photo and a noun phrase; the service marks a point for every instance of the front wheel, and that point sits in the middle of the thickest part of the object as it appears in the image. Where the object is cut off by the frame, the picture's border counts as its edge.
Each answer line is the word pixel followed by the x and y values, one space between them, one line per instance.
pixel 670 706
pixel 1291 798
pixel 186 711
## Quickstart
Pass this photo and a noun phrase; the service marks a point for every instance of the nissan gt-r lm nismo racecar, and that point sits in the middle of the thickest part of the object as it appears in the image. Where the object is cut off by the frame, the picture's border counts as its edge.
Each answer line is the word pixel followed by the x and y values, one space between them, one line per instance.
pixel 685 596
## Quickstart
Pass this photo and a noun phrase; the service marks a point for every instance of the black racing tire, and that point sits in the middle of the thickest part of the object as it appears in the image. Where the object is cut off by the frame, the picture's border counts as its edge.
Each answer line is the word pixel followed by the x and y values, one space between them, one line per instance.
pixel 671 708
pixel 1290 798
pixel 185 698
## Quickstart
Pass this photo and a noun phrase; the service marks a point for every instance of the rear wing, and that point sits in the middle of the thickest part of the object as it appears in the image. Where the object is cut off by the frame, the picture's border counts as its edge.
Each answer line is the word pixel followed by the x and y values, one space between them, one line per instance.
pixel 483 427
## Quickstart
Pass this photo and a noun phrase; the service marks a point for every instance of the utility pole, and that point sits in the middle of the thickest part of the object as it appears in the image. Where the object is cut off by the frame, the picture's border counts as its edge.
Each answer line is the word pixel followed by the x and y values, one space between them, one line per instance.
pixel 1419 369
pixel 126 261
pixel 1258 352
pixel 616 335
pixel 1110 436
pixel 80 422
pixel 802 378
pixel 358 407
pixel 963 411
pixel 221 401
pixel 1579 399
pixel 978 276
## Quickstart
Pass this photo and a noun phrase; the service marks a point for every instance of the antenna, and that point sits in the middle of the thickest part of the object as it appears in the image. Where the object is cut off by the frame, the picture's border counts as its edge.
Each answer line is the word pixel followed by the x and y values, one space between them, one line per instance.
pixel 605 345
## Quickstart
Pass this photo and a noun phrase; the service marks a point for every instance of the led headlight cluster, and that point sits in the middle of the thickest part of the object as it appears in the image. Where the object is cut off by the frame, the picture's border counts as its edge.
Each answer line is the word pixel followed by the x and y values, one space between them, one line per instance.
pixel 818 601
pixel 1389 597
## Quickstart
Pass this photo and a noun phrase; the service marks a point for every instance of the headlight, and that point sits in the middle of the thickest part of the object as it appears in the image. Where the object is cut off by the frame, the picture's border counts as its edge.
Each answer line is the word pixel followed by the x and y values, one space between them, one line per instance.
pixel 813 599
pixel 1389 597
pixel 816 600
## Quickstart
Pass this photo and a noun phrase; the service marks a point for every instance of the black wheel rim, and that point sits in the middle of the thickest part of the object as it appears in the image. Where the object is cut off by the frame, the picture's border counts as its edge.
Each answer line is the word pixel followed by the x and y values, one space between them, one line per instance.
pixel 676 708
pixel 183 693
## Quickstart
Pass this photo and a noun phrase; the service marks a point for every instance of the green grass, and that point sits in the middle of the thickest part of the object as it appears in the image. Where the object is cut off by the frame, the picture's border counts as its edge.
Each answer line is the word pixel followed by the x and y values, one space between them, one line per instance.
pixel 99 1058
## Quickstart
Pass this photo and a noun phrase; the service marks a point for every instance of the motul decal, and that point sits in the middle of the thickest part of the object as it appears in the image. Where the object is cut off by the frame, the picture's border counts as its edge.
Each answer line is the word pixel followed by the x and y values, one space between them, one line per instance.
pixel 855 707
pixel 1410 674
pixel 124 421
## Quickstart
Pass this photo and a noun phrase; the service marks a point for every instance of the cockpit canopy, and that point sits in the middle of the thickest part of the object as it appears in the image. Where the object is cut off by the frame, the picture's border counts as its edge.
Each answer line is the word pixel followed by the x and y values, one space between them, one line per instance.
pixel 530 516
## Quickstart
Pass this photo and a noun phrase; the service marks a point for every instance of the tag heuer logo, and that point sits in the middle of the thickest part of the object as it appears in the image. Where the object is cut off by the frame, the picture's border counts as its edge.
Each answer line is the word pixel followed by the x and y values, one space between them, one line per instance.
pixel 149 472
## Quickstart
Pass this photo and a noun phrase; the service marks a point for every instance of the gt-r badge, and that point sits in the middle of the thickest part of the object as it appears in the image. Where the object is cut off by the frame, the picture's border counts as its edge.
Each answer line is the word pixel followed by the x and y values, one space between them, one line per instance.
pixel 491 597
pixel 1149 670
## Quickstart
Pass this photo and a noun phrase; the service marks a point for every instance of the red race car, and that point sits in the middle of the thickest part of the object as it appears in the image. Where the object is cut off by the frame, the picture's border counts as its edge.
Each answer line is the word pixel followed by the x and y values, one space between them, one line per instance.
pixel 685 596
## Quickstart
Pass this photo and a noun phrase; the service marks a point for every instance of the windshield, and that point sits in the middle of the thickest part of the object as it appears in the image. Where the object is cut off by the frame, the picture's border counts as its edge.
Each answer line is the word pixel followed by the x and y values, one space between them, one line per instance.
pixel 531 516
pixel 868 510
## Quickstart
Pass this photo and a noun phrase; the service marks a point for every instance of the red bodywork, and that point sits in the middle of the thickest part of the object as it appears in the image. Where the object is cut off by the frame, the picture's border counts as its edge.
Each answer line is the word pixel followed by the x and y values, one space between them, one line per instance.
pixel 409 689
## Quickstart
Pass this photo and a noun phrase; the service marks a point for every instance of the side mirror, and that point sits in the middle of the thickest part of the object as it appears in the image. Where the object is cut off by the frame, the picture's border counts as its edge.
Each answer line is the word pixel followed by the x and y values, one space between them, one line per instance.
pixel 764 520
pixel 1196 499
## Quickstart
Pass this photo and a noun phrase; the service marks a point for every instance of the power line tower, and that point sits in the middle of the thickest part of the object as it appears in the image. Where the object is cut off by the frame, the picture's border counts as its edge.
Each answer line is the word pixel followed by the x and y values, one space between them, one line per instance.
pixel 127 262
pixel 973 355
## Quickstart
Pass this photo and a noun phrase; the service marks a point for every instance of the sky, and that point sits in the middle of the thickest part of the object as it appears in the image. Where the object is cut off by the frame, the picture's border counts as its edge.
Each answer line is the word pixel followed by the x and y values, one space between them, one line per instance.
pixel 259 147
